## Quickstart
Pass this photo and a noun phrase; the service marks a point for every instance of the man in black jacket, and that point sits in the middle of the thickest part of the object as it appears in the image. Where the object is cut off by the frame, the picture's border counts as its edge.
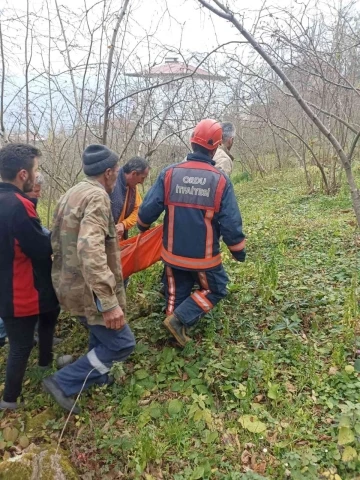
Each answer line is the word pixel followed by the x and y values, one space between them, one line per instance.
pixel 26 293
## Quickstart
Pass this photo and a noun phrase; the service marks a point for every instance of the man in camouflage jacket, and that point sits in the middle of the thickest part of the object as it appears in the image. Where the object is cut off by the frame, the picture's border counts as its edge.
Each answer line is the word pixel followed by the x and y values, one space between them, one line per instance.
pixel 87 275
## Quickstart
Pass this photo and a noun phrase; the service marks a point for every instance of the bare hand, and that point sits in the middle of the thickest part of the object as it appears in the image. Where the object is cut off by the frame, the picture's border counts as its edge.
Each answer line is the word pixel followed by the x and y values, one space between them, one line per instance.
pixel 120 229
pixel 114 319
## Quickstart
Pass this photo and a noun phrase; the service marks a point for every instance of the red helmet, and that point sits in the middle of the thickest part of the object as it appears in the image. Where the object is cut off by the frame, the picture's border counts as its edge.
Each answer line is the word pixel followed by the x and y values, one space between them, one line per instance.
pixel 207 133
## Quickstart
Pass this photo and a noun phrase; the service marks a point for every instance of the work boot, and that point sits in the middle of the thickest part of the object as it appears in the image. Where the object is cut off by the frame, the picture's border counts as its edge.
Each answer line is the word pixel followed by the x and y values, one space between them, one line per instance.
pixel 50 386
pixel 64 360
pixel 177 329
pixel 10 405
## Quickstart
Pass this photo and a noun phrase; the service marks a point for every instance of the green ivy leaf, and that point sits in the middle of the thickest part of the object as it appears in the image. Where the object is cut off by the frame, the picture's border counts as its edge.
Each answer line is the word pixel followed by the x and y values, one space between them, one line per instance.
pixel 177 386
pixel 346 435
pixel 155 411
pixel 349 454
pixel 198 415
pixel 168 354
pixel 175 407
pixel 210 437
pixel 357 365
pixel 273 391
pixel 141 374
pixel 345 421
pixel 198 473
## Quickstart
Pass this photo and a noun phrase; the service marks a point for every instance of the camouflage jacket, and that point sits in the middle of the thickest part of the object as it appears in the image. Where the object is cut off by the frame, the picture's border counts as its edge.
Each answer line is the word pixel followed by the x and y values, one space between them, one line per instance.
pixel 86 253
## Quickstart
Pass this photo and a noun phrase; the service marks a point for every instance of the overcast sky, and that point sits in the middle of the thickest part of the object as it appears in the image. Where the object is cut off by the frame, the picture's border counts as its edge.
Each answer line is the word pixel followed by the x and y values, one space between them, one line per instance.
pixel 187 25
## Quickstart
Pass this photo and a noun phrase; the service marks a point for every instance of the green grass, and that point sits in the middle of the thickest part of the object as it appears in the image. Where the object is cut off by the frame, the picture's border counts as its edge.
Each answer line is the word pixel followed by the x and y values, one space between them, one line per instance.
pixel 273 357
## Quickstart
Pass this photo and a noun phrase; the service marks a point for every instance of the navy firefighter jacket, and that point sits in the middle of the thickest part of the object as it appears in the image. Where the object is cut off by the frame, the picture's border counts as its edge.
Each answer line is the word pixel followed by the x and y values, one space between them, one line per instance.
pixel 200 207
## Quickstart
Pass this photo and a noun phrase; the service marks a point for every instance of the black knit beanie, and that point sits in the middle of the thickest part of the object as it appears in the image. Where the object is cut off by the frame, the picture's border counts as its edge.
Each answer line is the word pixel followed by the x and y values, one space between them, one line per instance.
pixel 98 158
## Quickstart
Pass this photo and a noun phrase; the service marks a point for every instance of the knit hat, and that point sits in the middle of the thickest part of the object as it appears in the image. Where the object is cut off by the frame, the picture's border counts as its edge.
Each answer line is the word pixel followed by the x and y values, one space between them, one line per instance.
pixel 98 158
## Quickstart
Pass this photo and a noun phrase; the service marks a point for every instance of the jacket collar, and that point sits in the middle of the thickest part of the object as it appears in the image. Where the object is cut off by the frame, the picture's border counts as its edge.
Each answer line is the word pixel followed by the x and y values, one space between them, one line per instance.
pixel 121 177
pixel 224 149
pixel 10 187
pixel 200 157
pixel 93 182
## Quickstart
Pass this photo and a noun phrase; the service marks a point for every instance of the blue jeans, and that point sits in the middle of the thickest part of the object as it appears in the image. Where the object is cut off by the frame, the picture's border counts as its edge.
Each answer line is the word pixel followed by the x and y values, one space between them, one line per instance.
pixel 106 346
pixel 187 306
pixel 2 329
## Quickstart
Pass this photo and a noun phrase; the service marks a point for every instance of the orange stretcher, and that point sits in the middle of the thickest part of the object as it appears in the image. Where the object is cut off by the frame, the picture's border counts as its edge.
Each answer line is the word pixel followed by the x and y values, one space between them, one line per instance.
pixel 142 251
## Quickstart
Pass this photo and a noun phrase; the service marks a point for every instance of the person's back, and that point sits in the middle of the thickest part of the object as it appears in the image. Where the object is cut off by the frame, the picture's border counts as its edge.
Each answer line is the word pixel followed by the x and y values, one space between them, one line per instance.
pixel 194 192
pixel 71 235
pixel 87 276
pixel 200 206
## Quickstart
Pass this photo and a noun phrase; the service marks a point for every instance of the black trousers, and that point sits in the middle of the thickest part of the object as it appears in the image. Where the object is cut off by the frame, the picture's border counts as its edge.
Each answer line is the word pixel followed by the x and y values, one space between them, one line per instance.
pixel 20 332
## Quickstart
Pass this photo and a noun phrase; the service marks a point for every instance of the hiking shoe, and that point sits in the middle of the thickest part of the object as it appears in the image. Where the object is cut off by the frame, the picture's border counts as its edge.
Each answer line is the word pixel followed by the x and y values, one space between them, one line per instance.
pixel 64 360
pixel 177 329
pixel 10 405
pixel 50 386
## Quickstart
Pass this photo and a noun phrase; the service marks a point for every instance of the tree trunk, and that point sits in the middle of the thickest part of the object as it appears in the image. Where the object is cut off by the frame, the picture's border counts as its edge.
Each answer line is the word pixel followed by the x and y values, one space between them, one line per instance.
pixel 108 72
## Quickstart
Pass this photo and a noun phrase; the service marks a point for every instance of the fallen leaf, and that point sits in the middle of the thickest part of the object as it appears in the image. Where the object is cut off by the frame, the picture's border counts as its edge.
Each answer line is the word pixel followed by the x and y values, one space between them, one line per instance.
pixel 290 387
pixel 313 396
pixel 250 445
pixel 245 457
pixel 260 467
pixel 10 434
pixel 259 398
pixel 333 370
pixel 252 423
pixel 272 438
pixel 24 441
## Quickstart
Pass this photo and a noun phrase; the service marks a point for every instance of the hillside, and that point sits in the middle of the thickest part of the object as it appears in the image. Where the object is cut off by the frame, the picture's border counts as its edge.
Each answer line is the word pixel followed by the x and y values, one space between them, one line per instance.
pixel 267 380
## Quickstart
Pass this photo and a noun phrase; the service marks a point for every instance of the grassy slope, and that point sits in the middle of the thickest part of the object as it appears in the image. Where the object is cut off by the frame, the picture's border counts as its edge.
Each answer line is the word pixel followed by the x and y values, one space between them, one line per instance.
pixel 270 358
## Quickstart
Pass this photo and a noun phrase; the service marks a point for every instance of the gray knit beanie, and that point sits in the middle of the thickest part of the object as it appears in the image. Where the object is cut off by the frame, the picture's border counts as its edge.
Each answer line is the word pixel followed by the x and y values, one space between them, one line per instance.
pixel 98 158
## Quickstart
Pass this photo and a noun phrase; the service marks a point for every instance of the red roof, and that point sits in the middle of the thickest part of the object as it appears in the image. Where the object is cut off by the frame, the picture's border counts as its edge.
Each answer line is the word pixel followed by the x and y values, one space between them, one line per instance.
pixel 177 68
pixel 170 69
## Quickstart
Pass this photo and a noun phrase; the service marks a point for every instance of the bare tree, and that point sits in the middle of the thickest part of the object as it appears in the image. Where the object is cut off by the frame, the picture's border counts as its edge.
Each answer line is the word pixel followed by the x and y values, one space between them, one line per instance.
pixel 224 12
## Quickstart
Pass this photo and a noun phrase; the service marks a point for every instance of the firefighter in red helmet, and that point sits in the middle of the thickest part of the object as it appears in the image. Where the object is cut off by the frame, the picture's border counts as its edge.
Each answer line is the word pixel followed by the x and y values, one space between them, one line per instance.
pixel 200 207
